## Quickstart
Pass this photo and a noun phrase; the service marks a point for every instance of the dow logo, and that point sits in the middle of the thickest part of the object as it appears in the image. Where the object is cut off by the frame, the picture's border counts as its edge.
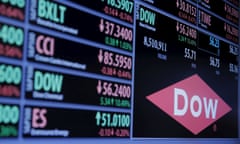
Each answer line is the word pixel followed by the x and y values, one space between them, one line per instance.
pixel 191 102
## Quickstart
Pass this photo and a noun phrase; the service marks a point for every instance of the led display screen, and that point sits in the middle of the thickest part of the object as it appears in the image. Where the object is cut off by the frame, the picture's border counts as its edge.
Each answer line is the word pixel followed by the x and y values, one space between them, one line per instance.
pixel 127 71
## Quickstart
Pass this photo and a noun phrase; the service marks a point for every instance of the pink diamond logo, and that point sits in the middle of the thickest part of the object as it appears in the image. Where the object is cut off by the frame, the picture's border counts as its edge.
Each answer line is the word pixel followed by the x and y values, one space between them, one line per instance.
pixel 191 102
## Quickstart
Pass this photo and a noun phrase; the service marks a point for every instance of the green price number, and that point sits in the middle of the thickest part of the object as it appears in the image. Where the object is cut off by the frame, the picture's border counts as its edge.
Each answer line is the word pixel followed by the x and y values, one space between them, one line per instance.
pixel 10 74
pixel 9 114
pixel 11 35
pixel 105 119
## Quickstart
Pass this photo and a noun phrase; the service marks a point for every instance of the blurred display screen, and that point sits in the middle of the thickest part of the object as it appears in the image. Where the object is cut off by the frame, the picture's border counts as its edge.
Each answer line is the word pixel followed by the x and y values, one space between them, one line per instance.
pixel 118 70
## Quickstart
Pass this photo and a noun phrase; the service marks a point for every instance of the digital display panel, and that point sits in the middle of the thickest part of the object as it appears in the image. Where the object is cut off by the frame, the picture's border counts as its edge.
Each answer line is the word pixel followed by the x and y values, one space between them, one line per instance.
pixel 177 57
pixel 119 71
pixel 41 122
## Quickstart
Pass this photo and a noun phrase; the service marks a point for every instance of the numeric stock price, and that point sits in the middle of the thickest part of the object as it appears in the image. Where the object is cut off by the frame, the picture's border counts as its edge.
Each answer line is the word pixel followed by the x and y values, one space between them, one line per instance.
pixel 233 68
pixel 106 119
pixel 214 62
pixel 186 7
pixel 10 74
pixel 116 30
pixel 190 54
pixel 113 89
pixel 9 114
pixel 186 30
pixel 124 5
pixel 115 60
pixel 11 35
